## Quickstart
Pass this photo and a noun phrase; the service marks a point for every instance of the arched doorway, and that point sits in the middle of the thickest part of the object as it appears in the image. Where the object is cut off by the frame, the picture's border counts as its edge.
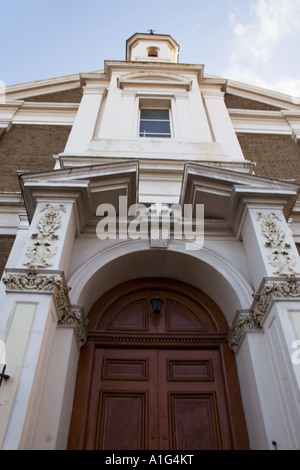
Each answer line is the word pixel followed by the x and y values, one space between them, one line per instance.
pixel 164 381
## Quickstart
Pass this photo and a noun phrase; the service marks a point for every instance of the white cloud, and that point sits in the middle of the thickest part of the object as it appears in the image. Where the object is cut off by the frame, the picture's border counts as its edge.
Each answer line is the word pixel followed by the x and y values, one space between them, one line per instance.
pixel 259 37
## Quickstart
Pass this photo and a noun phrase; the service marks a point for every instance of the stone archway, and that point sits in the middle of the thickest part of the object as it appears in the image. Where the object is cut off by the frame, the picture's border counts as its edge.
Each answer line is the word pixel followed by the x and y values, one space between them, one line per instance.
pixel 157 381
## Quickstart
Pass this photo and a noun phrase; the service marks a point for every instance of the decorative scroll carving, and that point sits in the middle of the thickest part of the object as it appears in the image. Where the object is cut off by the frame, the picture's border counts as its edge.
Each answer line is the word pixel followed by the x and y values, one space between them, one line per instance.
pixel 253 320
pixel 43 249
pixel 245 322
pixel 280 258
pixel 32 281
pixel 73 318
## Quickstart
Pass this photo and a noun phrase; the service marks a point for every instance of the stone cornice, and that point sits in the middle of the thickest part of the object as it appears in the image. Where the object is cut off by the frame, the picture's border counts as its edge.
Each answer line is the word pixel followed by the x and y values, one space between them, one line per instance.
pixel 11 199
pixel 26 112
pixel 263 95
pixel 38 87
pixel 85 187
pixel 111 65
pixel 235 192
pixel 271 289
pixel 285 122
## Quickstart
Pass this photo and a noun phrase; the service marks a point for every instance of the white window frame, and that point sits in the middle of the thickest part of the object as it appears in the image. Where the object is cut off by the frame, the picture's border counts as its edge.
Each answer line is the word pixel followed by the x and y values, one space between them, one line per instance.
pixel 156 103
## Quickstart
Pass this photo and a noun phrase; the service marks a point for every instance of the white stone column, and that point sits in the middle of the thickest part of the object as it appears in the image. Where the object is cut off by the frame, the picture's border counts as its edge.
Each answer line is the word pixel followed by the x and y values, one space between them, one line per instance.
pixel 267 345
pixel 282 333
pixel 263 336
pixel 35 304
pixel 260 400
pixel 221 125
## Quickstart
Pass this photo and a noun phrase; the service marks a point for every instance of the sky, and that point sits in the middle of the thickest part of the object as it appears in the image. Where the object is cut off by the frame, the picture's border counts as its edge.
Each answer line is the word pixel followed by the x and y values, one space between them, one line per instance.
pixel 256 42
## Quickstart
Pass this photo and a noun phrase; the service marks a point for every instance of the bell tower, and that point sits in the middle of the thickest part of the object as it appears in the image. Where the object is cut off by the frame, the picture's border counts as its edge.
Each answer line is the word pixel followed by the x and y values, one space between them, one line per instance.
pixel 151 48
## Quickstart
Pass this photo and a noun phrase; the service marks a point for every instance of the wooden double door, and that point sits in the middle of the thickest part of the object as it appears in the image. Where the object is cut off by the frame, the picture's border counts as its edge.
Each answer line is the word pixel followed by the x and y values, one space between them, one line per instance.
pixel 158 399
pixel 151 381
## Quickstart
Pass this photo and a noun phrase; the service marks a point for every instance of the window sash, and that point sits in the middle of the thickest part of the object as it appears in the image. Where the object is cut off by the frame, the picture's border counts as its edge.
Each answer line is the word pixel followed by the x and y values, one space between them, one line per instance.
pixel 155 122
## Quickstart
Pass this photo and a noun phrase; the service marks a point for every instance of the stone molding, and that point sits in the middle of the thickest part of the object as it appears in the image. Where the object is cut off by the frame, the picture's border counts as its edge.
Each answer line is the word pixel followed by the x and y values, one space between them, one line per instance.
pixel 271 290
pixel 33 281
pixel 280 257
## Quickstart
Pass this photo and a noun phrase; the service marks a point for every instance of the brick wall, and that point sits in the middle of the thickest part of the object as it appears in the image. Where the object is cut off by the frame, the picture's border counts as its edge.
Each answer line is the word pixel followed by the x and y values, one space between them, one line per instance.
pixel 69 96
pixel 236 102
pixel 29 148
pixel 276 156
pixel 26 148
pixel 6 243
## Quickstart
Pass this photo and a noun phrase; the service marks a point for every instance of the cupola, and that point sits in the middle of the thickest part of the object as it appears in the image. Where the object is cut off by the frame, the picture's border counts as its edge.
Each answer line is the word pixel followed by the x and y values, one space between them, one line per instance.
pixel 152 48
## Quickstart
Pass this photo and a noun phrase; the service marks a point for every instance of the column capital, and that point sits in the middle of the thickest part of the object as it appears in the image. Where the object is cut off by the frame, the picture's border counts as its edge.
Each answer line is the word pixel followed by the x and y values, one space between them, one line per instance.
pixel 212 93
pixel 271 289
pixel 34 280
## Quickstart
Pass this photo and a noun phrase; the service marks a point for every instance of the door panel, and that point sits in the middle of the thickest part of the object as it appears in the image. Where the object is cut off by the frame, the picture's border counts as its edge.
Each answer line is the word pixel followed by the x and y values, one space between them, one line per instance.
pixel 194 422
pixel 122 395
pixel 194 414
pixel 122 419
pixel 157 399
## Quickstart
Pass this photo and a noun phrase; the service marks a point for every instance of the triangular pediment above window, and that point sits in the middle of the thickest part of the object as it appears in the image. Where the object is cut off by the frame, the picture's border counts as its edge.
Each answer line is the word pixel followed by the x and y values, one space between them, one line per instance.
pixel 154 78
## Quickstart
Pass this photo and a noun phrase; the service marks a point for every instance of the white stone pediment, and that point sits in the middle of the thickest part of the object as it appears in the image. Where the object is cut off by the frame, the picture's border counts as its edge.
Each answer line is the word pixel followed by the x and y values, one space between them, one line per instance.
pixel 87 187
pixel 147 78
pixel 225 194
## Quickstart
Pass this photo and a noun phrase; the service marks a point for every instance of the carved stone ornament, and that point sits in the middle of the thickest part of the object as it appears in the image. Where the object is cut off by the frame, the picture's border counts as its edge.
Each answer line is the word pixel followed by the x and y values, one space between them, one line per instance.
pixel 44 249
pixel 280 257
pixel 31 281
pixel 73 318
pixel 157 240
pixel 253 320
pixel 34 282
pixel 158 212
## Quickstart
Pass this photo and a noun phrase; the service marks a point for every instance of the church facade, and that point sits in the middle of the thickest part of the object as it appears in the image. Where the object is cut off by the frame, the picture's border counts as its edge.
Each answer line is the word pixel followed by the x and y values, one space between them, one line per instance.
pixel 150 292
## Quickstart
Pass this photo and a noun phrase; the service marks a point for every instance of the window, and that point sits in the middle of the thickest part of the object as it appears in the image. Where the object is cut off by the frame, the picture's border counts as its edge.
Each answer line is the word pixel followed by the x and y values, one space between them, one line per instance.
pixel 153 52
pixel 155 122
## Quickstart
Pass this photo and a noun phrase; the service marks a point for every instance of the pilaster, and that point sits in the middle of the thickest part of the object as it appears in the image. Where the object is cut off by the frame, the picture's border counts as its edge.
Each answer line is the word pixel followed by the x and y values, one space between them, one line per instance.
pixel 266 338
pixel 220 122
pixel 35 303
pixel 257 335
pixel 86 119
